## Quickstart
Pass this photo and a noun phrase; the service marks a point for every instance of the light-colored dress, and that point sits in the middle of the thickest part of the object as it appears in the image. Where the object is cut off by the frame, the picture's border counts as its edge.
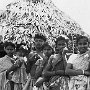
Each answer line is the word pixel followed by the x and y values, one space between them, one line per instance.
pixel 19 77
pixel 5 63
pixel 79 61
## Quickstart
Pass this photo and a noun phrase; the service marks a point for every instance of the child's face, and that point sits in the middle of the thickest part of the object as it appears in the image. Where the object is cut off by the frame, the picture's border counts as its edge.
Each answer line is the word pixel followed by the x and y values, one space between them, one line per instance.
pixel 82 45
pixel 47 51
pixel 9 50
pixel 61 45
pixel 20 53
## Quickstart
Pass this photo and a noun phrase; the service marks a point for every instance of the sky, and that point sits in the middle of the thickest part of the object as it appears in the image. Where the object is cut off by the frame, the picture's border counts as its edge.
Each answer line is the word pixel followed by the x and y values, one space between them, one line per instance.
pixel 78 10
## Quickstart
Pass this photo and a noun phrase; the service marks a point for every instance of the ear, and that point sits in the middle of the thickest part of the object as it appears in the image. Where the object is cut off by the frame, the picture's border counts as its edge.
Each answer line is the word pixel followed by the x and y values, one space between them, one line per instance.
pixel 88 44
pixel 66 45
pixel 15 50
pixel 4 49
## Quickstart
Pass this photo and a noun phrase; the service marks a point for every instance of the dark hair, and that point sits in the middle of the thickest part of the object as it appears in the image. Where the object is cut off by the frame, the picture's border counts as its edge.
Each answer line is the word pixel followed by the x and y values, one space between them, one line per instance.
pixel 21 49
pixel 19 45
pixel 40 36
pixel 81 37
pixel 6 44
pixel 61 38
pixel 46 45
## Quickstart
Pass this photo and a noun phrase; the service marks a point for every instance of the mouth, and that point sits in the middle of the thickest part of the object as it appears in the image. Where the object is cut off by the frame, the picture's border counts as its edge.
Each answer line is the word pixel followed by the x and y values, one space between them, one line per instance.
pixel 83 49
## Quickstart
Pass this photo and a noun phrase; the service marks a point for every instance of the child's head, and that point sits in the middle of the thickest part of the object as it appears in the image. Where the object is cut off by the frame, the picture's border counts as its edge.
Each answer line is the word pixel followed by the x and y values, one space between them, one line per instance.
pixel 61 43
pixel 22 51
pixel 39 39
pixel 47 50
pixel 82 44
pixel 9 48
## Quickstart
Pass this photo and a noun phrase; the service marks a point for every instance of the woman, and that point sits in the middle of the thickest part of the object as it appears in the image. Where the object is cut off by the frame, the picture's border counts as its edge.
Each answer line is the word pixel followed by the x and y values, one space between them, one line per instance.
pixel 41 64
pixel 78 67
pixel 55 69
pixel 5 65
pixel 33 57
pixel 8 67
pixel 48 50
pixel 20 76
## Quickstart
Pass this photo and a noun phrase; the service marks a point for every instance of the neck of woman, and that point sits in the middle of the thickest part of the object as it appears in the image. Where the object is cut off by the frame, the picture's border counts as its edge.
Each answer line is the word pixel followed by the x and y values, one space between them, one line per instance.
pixel 10 56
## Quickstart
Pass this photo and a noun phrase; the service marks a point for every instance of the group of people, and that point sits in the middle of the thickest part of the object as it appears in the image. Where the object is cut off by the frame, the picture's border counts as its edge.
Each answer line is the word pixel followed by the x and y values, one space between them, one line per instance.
pixel 44 67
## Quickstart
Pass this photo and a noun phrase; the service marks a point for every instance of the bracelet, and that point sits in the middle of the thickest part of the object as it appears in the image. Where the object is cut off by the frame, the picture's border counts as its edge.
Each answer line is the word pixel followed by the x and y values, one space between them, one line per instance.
pixel 83 72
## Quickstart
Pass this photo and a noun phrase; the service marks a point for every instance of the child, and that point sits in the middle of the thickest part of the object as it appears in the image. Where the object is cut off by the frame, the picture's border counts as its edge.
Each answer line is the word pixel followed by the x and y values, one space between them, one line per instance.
pixel 19 76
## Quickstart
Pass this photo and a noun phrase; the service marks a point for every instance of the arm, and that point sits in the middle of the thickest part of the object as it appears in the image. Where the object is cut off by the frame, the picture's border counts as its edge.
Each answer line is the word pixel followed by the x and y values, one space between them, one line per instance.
pixel 13 68
pixel 40 66
pixel 71 72
pixel 62 72
pixel 29 65
pixel 31 60
pixel 87 72
pixel 46 71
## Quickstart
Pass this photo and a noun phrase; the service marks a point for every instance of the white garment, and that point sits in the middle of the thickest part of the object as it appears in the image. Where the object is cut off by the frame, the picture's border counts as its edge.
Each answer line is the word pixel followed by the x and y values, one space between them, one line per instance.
pixel 72 58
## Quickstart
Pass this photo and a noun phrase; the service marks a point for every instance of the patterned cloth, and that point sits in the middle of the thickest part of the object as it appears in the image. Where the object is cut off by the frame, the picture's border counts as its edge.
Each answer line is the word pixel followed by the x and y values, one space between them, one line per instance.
pixel 19 77
pixel 58 82
pixel 5 63
pixel 78 61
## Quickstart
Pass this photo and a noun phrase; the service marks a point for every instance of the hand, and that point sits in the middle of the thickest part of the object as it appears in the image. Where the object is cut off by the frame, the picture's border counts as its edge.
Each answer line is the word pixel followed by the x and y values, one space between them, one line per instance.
pixel 18 62
pixel 87 73
pixel 33 56
pixel 57 72
pixel 45 59
pixel 9 76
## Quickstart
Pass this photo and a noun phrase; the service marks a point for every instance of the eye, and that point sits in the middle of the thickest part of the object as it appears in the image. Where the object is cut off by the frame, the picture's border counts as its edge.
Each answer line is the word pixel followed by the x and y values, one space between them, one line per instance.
pixel 63 44
pixel 36 40
pixel 84 43
pixel 79 43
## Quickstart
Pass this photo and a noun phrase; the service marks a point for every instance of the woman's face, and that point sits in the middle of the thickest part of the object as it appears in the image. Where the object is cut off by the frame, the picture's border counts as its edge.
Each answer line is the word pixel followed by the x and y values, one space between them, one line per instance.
pixel 47 51
pixel 82 45
pixel 61 45
pixel 9 50
pixel 39 43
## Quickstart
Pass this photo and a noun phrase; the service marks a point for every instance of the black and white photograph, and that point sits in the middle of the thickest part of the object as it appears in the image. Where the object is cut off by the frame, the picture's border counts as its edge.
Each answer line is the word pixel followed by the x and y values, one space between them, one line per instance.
pixel 44 45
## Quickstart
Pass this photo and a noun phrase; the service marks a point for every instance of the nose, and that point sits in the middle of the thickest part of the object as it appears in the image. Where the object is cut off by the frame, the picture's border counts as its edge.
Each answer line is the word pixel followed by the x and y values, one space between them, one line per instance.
pixel 38 41
pixel 46 51
pixel 82 45
pixel 9 50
